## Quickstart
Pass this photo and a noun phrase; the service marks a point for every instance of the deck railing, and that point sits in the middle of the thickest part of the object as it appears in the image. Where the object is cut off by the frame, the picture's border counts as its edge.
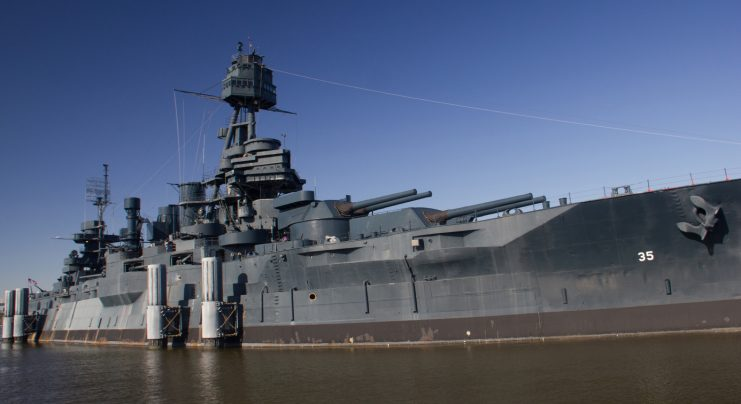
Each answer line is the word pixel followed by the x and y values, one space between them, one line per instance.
pixel 657 184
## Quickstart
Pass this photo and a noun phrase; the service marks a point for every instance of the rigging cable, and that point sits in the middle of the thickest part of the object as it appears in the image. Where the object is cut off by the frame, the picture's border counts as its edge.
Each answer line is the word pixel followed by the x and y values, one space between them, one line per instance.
pixel 514 114
pixel 201 146
pixel 177 133
pixel 182 116
pixel 172 156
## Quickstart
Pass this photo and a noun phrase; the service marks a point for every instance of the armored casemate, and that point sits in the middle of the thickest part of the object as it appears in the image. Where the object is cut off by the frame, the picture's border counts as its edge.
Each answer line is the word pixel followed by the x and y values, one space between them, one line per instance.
pixel 248 256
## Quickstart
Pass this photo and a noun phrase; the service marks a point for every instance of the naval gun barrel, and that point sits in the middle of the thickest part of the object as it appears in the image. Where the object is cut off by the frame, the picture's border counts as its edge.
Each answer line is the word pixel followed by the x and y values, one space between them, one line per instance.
pixel 347 208
pixel 439 217
pixel 516 205
pixel 392 202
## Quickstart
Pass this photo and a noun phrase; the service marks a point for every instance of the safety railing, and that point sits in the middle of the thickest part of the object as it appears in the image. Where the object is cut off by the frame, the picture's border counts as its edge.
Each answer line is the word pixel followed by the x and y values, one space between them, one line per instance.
pixel 657 184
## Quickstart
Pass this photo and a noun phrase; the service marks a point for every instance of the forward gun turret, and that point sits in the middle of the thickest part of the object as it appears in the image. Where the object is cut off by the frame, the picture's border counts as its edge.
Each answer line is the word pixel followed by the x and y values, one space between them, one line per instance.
pixel 363 207
pixel 393 202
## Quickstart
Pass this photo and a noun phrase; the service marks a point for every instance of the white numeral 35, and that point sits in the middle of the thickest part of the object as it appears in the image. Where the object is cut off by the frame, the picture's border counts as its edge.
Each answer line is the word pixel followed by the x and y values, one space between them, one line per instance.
pixel 645 256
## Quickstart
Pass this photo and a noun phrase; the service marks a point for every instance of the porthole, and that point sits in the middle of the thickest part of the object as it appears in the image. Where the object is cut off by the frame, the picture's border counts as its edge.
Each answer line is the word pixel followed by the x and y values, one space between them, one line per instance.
pixel 312 296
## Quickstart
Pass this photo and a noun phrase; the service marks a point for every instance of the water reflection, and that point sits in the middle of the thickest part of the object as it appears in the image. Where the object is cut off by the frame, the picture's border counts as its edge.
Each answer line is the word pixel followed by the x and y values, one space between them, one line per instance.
pixel 152 369
pixel 656 369
pixel 208 375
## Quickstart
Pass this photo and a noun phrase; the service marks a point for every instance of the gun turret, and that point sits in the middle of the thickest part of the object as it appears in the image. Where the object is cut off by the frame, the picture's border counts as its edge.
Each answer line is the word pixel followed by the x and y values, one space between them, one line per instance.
pixel 371 208
pixel 515 205
pixel 440 217
pixel 349 208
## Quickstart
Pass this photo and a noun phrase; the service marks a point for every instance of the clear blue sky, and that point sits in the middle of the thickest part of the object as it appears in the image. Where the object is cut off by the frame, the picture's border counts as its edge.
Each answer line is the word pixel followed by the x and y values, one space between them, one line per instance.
pixel 87 83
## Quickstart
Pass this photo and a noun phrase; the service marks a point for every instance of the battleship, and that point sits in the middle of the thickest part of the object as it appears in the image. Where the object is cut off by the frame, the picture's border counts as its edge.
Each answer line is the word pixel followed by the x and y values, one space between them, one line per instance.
pixel 248 257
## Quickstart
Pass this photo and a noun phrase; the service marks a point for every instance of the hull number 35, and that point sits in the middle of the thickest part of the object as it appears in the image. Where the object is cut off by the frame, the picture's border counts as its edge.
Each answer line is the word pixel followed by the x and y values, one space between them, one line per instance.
pixel 645 256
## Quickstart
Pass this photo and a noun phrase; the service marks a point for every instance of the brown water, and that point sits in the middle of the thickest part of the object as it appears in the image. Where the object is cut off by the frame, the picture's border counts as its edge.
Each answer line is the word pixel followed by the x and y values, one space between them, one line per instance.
pixel 686 368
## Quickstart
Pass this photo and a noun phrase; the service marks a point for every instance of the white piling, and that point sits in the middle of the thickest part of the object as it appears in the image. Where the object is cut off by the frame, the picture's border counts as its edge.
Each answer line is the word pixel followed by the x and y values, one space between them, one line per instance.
pixel 156 300
pixel 210 299
pixel 21 311
pixel 210 320
pixel 8 315
pixel 211 279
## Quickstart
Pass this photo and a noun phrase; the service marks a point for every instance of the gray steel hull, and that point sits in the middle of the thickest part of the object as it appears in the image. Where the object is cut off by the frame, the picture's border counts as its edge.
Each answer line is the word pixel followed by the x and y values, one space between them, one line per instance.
pixel 580 269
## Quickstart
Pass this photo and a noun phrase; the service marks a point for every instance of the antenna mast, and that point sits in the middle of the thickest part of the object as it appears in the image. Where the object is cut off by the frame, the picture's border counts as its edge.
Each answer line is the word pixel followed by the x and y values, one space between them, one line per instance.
pixel 98 192
pixel 106 191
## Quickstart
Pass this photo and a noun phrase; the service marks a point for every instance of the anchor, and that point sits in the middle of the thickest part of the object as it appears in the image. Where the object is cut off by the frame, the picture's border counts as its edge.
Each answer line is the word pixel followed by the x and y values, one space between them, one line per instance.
pixel 706 213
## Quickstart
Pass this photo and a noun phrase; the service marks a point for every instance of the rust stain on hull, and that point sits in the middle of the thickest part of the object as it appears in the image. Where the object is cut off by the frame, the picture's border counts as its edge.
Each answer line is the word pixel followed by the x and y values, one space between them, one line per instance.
pixel 567 325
